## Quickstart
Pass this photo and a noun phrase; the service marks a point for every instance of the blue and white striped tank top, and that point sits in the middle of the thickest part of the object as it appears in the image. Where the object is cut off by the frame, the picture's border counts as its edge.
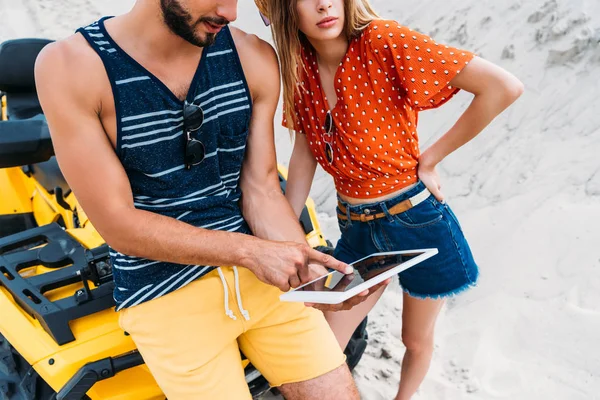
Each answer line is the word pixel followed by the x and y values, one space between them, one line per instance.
pixel 150 145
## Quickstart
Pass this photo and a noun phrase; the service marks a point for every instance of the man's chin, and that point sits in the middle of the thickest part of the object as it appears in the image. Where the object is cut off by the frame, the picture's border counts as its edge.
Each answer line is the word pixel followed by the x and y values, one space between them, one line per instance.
pixel 202 40
pixel 208 39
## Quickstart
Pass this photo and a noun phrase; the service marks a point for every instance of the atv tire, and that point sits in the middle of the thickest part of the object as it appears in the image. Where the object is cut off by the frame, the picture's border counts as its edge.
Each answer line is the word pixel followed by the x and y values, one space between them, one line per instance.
pixel 18 380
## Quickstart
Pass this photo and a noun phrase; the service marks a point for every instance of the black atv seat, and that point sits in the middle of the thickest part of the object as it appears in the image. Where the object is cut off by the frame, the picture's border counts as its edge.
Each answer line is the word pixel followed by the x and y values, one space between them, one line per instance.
pixel 27 143
pixel 23 141
pixel 17 61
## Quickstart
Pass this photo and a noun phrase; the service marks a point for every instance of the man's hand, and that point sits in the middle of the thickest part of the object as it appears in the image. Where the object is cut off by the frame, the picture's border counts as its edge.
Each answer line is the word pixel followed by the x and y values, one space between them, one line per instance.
pixel 317 271
pixel 286 264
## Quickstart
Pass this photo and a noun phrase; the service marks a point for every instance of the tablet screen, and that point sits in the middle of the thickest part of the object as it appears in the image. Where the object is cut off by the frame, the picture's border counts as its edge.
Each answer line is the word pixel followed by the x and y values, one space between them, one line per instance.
pixel 364 269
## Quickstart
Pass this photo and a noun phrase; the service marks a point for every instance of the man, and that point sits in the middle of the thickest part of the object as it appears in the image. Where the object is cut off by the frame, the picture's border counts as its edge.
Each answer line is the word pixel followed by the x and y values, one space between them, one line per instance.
pixel 160 164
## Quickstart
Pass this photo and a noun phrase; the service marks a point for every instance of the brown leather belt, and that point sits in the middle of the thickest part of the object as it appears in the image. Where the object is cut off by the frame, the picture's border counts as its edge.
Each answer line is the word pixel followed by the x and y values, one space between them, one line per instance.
pixel 396 209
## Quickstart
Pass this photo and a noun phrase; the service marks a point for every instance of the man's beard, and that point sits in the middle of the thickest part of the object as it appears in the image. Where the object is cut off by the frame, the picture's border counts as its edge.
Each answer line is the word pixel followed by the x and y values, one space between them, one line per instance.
pixel 180 23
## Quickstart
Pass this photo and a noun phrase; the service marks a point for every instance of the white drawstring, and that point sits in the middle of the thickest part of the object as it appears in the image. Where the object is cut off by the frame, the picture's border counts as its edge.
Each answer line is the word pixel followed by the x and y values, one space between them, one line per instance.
pixel 238 294
pixel 228 311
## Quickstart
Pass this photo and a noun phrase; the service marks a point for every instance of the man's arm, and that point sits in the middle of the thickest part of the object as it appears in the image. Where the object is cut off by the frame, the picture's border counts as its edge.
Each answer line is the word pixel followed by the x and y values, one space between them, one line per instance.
pixel 265 208
pixel 71 101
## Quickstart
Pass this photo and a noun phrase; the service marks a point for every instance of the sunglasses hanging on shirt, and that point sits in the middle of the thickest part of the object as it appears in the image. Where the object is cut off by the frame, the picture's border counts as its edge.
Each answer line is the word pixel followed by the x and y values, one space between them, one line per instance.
pixel 193 118
pixel 328 137
pixel 265 19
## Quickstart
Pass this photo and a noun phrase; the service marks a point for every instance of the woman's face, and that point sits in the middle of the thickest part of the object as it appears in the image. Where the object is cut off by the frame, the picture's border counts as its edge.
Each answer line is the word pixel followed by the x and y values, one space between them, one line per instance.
pixel 321 19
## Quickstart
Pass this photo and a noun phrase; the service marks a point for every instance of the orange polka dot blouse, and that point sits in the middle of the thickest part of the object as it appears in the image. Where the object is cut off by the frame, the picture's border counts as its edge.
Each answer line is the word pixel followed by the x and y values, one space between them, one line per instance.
pixel 388 75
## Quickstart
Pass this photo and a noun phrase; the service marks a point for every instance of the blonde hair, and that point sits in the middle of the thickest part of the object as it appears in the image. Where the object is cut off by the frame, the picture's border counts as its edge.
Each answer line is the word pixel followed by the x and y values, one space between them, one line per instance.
pixel 289 40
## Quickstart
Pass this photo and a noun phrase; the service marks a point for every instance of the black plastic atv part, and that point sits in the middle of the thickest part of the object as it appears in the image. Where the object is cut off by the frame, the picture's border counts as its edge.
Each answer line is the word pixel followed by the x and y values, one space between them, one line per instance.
pixel 72 263
pixel 24 142
pixel 17 61
pixel 15 223
pixel 91 373
pixel 17 80
pixel 49 175
pixel 325 249
pixel 257 383
pixel 305 221
pixel 60 198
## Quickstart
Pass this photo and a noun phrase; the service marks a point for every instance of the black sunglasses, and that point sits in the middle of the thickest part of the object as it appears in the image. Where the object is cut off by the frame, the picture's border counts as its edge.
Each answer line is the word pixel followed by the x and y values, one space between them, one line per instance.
pixel 328 137
pixel 193 118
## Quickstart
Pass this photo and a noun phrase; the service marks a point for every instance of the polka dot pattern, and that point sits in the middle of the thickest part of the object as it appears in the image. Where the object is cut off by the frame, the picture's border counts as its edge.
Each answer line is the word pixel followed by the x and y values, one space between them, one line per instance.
pixel 388 75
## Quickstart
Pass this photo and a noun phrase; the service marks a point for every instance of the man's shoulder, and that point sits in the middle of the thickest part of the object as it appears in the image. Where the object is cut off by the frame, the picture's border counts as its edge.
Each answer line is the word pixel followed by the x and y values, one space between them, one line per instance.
pixel 259 62
pixel 250 45
pixel 68 60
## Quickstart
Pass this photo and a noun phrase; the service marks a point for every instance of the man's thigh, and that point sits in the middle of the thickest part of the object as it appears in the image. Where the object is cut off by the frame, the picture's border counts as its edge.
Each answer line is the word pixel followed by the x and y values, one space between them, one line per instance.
pixel 289 342
pixel 188 342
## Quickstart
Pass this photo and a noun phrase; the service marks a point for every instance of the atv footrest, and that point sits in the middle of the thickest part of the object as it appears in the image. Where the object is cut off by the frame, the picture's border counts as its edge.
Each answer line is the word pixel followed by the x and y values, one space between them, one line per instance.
pixel 50 246
pixel 89 374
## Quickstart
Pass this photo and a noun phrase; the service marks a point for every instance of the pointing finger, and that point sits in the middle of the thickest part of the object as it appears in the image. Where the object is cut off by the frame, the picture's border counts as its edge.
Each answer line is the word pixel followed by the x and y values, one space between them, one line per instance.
pixel 329 262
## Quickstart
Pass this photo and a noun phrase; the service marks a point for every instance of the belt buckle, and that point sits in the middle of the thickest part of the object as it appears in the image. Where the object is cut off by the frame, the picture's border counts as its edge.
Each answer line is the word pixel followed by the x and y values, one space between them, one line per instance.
pixel 366 217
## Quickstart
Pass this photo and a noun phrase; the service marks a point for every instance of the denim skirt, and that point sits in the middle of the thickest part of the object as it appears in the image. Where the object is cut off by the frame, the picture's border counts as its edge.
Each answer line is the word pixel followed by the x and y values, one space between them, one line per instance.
pixel 430 224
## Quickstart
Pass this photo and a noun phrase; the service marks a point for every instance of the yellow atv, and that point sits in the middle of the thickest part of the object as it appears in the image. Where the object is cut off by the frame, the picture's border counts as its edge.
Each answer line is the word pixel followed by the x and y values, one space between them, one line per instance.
pixel 59 336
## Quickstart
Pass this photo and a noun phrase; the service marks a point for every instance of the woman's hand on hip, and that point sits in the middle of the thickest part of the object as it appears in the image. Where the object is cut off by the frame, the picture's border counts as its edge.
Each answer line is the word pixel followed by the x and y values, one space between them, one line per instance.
pixel 430 178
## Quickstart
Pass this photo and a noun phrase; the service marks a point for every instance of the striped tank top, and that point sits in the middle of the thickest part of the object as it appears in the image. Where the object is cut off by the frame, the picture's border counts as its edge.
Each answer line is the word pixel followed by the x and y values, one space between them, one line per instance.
pixel 150 145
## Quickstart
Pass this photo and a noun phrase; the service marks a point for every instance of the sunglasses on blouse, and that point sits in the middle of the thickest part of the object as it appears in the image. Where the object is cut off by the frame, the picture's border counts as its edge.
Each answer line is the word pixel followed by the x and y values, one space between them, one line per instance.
pixel 265 20
pixel 328 137
pixel 193 118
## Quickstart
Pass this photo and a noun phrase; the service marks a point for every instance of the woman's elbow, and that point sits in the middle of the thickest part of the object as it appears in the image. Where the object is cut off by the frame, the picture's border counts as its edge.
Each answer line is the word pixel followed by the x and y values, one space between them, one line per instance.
pixel 512 89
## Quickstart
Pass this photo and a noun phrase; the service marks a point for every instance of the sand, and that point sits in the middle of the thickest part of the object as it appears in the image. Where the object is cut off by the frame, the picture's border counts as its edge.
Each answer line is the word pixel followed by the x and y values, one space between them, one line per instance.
pixel 527 192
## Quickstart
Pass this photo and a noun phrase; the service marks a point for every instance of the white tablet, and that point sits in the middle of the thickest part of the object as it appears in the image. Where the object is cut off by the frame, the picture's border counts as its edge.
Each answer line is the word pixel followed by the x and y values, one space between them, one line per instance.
pixel 335 287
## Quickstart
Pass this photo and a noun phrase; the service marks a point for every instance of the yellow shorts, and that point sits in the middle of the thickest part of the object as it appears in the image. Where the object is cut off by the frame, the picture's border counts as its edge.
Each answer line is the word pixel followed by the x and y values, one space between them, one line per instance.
pixel 192 346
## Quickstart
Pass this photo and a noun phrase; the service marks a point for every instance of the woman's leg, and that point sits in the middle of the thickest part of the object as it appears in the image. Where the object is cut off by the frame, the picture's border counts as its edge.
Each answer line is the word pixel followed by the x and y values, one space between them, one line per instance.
pixel 418 322
pixel 344 323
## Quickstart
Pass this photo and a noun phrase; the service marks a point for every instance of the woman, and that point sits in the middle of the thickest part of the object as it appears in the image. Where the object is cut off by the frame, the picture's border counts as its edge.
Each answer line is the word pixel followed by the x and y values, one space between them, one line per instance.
pixel 353 87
